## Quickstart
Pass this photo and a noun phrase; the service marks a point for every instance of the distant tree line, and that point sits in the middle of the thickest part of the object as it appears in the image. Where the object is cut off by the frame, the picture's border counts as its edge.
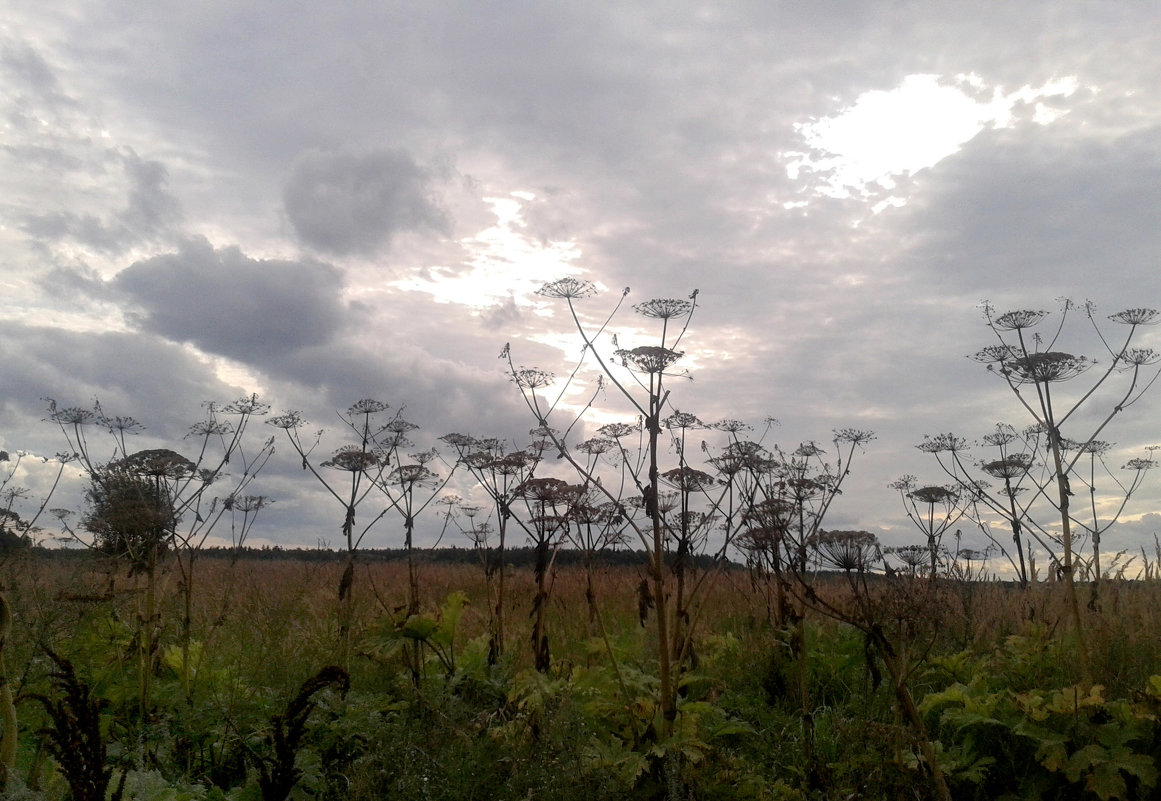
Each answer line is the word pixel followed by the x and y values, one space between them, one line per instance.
pixel 523 557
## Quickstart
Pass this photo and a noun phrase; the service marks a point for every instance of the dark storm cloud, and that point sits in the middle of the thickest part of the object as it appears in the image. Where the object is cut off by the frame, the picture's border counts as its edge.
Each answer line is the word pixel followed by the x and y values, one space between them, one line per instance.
pixel 343 203
pixel 227 303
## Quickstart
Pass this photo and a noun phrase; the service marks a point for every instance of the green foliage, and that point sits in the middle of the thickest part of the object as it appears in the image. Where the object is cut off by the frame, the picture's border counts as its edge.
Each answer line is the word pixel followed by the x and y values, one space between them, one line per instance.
pixel 436 633
pixel 1070 742
pixel 277 767
pixel 1008 720
pixel 75 737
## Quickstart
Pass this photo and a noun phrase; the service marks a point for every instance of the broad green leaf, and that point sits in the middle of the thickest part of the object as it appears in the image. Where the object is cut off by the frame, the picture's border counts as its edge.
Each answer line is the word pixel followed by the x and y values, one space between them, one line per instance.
pixel 1107 782
pixel 419 627
pixel 449 618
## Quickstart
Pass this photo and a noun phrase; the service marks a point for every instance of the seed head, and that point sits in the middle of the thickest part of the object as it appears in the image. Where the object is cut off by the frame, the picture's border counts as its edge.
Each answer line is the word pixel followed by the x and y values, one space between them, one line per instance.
pixel 1018 320
pixel 995 354
pixel 933 495
pixel 544 490
pixel 1003 435
pixel 913 556
pixel 808 450
pixel 210 428
pixel 663 308
pixel 687 479
pixel 459 441
pixel 617 430
pixel 247 405
pixel 1096 447
pixel 682 420
pixel 1140 465
pixel 121 425
pixel 532 378
pixel 846 550
pixel 596 446
pixel 410 475
pixel 399 426
pixel 512 464
pixel 250 503
pixel 366 406
pixel 72 415
pixel 1139 357
pixel 287 420
pixel 354 459
pixel 1011 466
pixel 942 443
pixel 571 288
pixel 157 463
pixel 853 436
pixel 904 483
pixel 1048 367
pixel 1135 316
pixel 651 359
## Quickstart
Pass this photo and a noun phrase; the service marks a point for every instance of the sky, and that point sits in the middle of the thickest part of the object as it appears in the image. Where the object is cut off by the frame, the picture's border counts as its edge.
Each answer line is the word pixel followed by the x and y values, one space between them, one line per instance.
pixel 324 202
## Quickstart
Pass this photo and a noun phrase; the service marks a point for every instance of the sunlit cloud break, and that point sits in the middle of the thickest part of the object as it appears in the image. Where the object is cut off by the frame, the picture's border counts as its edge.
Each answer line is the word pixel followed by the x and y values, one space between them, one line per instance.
pixel 861 150
pixel 503 259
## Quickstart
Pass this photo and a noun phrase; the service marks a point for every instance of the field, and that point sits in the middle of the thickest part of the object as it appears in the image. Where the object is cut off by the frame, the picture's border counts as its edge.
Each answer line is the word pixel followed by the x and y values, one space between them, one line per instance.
pixel 767 708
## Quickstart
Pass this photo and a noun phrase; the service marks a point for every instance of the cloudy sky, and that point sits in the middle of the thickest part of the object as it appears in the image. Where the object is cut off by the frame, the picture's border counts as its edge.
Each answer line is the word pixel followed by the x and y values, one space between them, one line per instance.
pixel 322 202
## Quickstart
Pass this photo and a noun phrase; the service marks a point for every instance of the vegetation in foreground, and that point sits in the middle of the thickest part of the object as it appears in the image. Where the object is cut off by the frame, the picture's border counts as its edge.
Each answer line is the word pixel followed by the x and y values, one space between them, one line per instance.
pixel 267 715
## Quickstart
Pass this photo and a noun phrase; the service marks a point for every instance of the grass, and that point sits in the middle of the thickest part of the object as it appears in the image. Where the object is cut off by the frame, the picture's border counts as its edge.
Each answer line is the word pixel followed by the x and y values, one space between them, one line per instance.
pixel 262 628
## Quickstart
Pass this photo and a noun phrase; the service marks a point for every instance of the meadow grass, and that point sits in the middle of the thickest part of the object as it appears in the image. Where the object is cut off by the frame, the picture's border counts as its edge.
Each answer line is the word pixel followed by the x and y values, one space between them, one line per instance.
pixel 588 728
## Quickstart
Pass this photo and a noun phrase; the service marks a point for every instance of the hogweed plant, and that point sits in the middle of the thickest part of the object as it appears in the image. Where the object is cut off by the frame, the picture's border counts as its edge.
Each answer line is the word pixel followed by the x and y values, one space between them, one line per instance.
pixel 896 614
pixel 219 440
pixel 1035 371
pixel 1009 484
pixel 499 472
pixel 791 498
pixel 934 510
pixel 1014 483
pixel 548 503
pixel 671 513
pixel 644 368
pixel 655 505
pixel 147 505
pixel 410 488
pixel 1093 468
pixel 359 467
pixel 596 526
pixel 17 531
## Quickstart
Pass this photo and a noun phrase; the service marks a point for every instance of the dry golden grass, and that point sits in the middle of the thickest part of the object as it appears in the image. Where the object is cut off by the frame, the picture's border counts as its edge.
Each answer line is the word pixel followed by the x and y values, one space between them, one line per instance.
pixel 272 622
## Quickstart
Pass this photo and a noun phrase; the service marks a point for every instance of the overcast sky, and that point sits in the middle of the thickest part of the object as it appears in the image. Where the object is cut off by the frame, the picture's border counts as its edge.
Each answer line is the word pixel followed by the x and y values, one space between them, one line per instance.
pixel 321 202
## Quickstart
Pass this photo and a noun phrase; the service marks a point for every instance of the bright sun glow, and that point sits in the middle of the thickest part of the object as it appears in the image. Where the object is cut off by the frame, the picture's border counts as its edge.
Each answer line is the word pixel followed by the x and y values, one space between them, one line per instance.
pixel 885 134
pixel 503 260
